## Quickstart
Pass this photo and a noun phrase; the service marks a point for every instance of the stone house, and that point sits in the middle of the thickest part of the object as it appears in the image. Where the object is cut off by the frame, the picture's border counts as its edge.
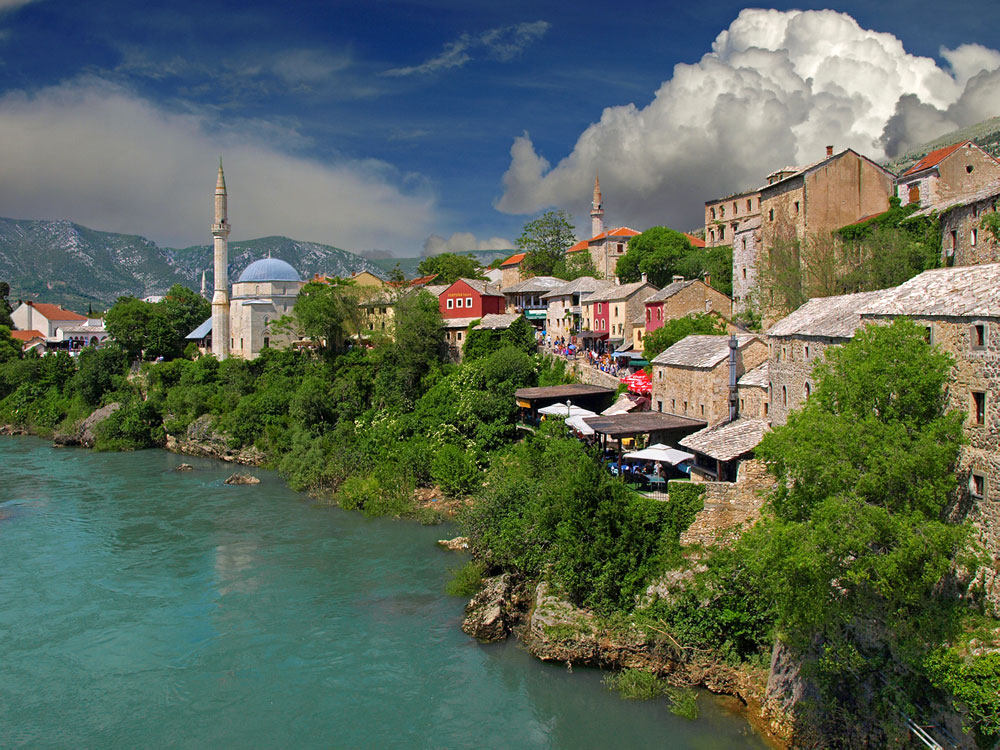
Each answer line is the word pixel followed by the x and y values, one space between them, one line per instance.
pixel 797 342
pixel 527 297
pixel 681 298
pixel 606 248
pixel 615 307
pixel 945 173
pixel 746 249
pixel 510 270
pixel 462 302
pixel 753 393
pixel 44 317
pixel 564 311
pixel 691 378
pixel 960 307
pixel 720 449
pixel 724 217
pixel 964 242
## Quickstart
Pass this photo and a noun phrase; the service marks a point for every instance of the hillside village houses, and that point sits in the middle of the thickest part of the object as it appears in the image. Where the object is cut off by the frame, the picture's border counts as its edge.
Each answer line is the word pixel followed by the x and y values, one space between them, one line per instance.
pixel 42 327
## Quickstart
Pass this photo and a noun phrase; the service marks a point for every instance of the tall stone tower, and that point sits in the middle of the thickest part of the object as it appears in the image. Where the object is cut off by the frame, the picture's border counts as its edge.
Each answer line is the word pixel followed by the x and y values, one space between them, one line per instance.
pixel 220 300
pixel 597 209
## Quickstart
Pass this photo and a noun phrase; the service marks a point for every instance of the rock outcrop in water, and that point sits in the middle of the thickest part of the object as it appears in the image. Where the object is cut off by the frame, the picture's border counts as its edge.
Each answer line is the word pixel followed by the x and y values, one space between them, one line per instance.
pixel 200 439
pixel 84 434
pixel 238 479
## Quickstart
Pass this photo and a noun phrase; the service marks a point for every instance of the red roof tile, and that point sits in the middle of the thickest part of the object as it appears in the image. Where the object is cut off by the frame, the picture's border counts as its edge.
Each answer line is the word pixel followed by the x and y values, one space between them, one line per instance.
pixel 695 241
pixel 582 245
pixel 54 312
pixel 934 158
pixel 26 335
pixel 514 259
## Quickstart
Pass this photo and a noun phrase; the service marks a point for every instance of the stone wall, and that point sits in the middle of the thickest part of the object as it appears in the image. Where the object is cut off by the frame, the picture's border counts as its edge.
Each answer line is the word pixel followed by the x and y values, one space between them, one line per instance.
pixel 754 402
pixel 746 248
pixel 843 191
pixel 696 298
pixel 593 376
pixel 964 240
pixel 730 506
pixel 790 364
pixel 701 393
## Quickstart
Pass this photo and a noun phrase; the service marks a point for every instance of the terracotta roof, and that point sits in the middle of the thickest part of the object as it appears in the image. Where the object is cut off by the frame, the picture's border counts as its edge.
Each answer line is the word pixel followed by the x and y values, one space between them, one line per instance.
pixel 961 292
pixel 758 377
pixel 695 241
pixel 26 335
pixel 728 440
pixel 934 158
pixel 514 259
pixel 581 245
pixel 54 312
pixel 701 350
pixel 422 280
pixel 832 317
pixel 618 232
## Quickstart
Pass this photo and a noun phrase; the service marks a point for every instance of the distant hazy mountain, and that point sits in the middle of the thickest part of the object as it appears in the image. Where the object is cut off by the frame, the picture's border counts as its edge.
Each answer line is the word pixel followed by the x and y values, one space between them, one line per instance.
pixel 71 265
pixel 985 134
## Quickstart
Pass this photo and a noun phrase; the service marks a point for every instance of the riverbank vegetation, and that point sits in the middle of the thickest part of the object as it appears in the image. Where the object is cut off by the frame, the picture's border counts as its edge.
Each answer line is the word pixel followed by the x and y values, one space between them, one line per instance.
pixel 857 568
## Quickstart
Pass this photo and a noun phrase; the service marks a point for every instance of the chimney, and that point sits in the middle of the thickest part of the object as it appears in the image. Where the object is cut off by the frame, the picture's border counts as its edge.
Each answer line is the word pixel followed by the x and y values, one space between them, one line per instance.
pixel 733 393
pixel 645 279
pixel 829 150
pixel 676 278
pixel 618 282
pixel 708 278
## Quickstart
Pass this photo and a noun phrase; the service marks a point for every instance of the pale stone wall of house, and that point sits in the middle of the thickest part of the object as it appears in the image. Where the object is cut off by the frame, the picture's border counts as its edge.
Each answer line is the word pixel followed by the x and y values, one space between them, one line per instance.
pixel 956 177
pixel 696 298
pixel 967 243
pixel 726 216
pixel 556 322
pixel 843 191
pixel 510 275
pixel 790 364
pixel 730 507
pixel 632 308
pixel 753 402
pixel 702 393
pixel 746 249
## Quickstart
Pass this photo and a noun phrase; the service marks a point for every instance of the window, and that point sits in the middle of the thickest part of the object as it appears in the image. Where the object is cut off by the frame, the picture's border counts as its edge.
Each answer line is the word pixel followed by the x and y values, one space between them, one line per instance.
pixel 808 390
pixel 621 248
pixel 914 195
pixel 673 404
pixel 784 396
pixel 796 207
pixel 767 408
pixel 742 405
pixel 659 313
pixel 749 204
pixel 659 405
pixel 744 273
pixel 267 342
pixel 468 302
pixel 969 168
pixel 722 212
pixel 974 237
pixel 685 407
pixel 736 209
pixel 977 485
pixel 598 308
pixel 759 203
pixel 649 315
pixel 770 215
pixel 703 410
pixel 616 311
pixel 978 407
pixel 241 343
pixel 929 335
pixel 713 213
pixel 722 233
pixel 979 336
pixel 459 335
pixel 807 351
pixel 954 239
pixel 711 234
pixel 458 302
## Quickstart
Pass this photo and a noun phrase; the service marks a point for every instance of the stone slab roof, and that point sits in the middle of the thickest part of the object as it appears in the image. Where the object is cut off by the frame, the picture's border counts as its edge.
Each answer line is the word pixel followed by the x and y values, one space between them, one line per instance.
pixel 483 287
pixel 728 440
pixel 639 423
pixel 833 317
pixel 702 351
pixel 496 322
pixel 962 292
pixel 458 322
pixel 987 191
pixel 534 285
pixel 436 289
pixel 614 292
pixel 561 391
pixel 670 290
pixel 759 377
pixel 580 285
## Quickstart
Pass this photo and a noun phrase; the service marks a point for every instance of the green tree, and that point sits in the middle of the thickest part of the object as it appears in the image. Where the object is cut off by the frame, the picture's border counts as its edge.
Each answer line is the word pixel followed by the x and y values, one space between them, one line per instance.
pixel 9 348
pixel 127 322
pixel 544 241
pixel 574 265
pixel 674 330
pixel 327 313
pixel 100 371
pixel 450 266
pixel 659 252
pixel 480 344
pixel 184 311
pixel 5 308
pixel 856 559
pixel 418 347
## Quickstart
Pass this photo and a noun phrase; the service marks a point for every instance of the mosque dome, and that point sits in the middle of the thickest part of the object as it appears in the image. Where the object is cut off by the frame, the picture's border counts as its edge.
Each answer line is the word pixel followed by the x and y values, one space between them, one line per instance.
pixel 269 269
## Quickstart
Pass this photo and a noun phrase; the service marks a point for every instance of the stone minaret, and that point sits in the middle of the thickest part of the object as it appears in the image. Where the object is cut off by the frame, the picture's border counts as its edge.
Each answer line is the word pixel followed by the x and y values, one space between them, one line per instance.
pixel 220 300
pixel 204 285
pixel 597 209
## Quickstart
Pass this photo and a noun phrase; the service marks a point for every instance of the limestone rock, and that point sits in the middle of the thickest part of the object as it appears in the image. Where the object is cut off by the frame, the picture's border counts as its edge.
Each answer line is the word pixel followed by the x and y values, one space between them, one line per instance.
pixel 242 479
pixel 84 433
pixel 491 612
pixel 456 544
pixel 184 467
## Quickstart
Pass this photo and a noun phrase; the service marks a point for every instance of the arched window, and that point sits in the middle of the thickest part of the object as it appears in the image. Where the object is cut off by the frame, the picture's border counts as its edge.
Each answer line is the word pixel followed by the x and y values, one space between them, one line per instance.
pixel 784 396
pixel 808 390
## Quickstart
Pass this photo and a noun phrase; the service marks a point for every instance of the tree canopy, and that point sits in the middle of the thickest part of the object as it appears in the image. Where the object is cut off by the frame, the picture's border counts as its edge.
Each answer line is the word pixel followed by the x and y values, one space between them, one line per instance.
pixel 659 252
pixel 450 266
pixel 328 313
pixel 544 241
pixel 5 308
pixel 153 330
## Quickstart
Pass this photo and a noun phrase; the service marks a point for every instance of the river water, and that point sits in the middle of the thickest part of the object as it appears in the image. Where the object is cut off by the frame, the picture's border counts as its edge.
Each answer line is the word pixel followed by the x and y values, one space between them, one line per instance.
pixel 144 607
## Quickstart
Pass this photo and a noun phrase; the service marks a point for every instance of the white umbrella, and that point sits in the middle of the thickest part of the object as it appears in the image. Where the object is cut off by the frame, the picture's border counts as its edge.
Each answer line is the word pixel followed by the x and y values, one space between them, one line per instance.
pixel 662 453
pixel 562 410
pixel 579 425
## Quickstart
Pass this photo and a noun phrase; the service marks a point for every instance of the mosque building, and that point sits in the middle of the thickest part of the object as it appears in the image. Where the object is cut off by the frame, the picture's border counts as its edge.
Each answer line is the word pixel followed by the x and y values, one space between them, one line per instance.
pixel 240 325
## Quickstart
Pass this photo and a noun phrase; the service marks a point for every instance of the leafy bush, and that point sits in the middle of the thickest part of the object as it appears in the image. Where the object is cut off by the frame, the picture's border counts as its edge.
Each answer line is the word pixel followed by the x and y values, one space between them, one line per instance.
pixel 455 471
pixel 134 426
pixel 467 580
pixel 636 684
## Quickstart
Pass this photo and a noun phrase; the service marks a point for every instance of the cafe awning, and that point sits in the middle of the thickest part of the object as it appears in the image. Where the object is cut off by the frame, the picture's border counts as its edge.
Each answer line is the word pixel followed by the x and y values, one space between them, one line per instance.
pixel 662 453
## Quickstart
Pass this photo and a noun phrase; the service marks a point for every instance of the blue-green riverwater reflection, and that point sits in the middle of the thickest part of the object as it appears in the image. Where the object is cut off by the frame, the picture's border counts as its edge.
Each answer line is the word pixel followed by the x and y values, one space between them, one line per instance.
pixel 143 607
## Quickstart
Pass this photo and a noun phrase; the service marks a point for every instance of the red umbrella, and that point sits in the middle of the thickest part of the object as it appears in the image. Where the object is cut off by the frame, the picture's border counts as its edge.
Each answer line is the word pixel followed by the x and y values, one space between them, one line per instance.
pixel 639 382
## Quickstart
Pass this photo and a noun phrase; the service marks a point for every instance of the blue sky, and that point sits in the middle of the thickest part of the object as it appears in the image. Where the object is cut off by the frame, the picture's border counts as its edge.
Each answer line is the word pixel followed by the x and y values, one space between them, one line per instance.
pixel 406 126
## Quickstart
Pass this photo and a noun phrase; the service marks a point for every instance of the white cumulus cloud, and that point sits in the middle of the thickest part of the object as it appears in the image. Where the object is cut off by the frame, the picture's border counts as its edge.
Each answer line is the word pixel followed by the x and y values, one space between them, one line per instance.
pixel 99 155
pixel 435 244
pixel 776 89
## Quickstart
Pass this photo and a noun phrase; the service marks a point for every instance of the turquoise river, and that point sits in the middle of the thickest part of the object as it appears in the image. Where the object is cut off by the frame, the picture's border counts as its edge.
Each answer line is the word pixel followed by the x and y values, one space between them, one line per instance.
pixel 141 607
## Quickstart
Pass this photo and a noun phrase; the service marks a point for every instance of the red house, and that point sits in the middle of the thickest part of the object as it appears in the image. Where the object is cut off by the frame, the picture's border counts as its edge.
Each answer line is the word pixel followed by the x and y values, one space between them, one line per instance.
pixel 470 298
